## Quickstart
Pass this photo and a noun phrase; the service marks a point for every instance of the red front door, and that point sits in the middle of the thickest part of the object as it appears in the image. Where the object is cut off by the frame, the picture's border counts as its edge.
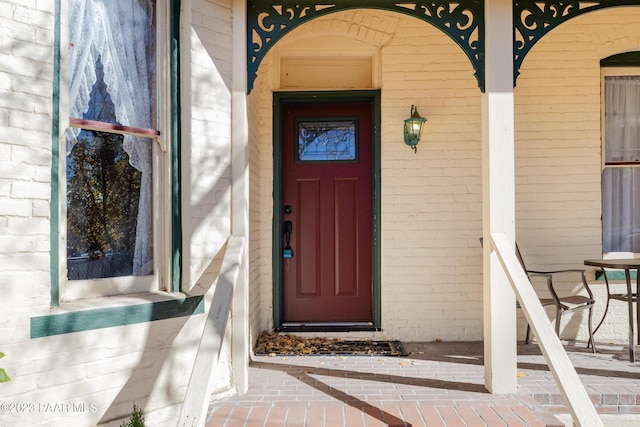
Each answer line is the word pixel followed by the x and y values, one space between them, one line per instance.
pixel 327 206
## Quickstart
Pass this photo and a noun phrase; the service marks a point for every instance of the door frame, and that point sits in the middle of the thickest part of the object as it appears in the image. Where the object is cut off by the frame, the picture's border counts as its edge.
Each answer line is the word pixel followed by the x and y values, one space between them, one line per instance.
pixel 280 98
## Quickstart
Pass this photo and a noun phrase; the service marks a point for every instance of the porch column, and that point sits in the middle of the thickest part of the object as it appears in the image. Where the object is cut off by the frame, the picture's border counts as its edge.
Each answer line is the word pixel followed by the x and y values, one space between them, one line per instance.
pixel 240 196
pixel 498 197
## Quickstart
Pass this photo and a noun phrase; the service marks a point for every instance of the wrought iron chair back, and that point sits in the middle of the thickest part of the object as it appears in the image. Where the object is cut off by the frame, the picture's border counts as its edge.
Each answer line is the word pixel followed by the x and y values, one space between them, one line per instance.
pixel 569 303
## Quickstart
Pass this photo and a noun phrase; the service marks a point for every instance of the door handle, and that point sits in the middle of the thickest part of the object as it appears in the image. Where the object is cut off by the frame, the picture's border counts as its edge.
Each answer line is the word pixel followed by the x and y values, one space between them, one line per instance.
pixel 288 229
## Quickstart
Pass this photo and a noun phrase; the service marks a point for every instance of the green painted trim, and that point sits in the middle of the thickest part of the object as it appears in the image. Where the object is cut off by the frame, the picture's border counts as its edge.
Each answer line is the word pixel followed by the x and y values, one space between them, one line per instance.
pixel 628 59
pixel 534 19
pixel 176 170
pixel 270 21
pixel 99 318
pixel 176 214
pixel 276 226
pixel 54 221
pixel 377 211
pixel 279 98
pixel 615 275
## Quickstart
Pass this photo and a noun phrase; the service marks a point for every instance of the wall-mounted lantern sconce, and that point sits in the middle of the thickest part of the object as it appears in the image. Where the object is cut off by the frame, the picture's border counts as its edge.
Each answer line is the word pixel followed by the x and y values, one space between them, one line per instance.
pixel 413 129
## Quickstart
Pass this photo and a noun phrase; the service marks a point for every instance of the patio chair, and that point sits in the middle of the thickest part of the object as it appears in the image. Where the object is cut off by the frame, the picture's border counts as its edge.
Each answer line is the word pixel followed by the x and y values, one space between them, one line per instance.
pixel 563 304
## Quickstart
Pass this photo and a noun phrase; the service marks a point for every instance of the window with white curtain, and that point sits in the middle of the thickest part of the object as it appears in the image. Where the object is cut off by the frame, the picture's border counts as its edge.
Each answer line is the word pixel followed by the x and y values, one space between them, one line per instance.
pixel 621 162
pixel 111 146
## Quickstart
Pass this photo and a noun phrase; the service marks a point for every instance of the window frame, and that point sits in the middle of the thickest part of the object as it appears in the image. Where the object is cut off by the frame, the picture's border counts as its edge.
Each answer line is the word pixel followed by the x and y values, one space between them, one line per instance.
pixel 161 179
pixel 327 120
pixel 608 71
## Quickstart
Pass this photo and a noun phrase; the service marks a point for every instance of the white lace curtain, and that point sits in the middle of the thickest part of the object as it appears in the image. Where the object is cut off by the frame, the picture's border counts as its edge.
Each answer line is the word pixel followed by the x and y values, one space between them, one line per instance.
pixel 119 33
pixel 621 185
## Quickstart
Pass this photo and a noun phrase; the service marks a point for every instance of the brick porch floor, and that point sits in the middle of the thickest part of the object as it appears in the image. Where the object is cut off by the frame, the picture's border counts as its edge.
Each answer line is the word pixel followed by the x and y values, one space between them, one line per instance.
pixel 438 384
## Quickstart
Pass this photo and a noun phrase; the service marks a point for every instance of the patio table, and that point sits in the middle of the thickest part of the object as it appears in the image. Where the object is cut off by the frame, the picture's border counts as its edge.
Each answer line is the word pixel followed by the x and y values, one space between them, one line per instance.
pixel 630 297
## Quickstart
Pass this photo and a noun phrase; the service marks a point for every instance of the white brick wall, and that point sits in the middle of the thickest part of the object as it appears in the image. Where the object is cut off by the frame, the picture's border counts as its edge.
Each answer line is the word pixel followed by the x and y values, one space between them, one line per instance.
pixel 104 369
pixel 109 368
pixel 207 134
pixel 431 209
pixel 260 188
pixel 26 73
pixel 432 201
pixel 558 148
pixel 426 252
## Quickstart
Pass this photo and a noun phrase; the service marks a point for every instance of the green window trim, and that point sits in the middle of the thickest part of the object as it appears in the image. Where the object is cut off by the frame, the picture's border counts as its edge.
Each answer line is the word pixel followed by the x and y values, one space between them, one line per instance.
pixel 627 59
pixel 55 157
pixel 100 318
pixel 176 143
pixel 614 275
pixel 84 320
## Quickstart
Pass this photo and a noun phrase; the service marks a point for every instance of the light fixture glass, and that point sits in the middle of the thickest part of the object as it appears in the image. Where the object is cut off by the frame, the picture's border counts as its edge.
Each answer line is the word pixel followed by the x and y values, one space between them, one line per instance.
pixel 413 129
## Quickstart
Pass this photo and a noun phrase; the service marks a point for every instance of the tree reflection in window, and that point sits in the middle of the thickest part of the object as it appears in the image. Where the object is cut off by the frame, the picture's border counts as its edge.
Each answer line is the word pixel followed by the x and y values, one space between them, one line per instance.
pixel 327 140
pixel 103 192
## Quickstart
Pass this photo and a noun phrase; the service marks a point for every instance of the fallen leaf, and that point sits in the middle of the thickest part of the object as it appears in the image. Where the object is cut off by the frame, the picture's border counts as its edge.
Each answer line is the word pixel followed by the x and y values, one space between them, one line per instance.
pixel 286 344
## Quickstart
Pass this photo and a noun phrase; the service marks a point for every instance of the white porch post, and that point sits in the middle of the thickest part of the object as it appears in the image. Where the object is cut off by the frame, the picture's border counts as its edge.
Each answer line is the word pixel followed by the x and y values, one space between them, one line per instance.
pixel 240 196
pixel 498 196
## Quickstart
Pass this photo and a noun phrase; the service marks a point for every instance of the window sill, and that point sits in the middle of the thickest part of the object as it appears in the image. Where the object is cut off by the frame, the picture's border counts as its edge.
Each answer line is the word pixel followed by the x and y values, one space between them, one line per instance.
pixel 614 275
pixel 107 312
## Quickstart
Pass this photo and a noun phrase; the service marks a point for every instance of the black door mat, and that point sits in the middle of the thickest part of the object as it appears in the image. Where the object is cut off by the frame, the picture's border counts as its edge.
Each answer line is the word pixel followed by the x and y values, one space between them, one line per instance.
pixel 276 344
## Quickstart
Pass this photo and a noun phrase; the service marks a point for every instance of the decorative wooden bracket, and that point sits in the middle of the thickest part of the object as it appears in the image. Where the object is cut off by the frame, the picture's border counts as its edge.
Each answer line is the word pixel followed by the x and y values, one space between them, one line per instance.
pixel 268 22
pixel 533 19
pixel 462 20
